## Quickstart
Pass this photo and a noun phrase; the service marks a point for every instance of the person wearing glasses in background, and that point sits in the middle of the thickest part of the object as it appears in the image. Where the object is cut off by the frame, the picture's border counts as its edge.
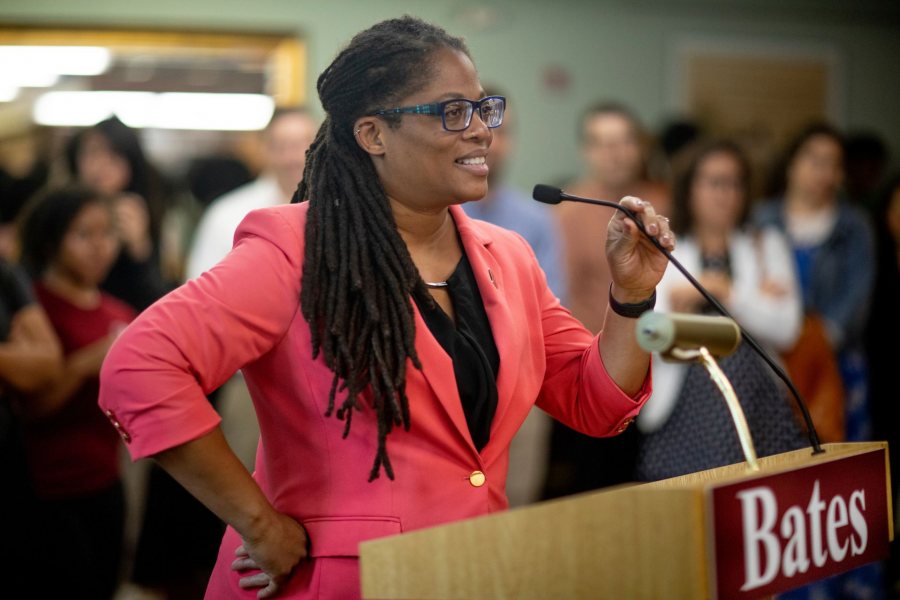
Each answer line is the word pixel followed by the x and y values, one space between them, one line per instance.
pixel 374 320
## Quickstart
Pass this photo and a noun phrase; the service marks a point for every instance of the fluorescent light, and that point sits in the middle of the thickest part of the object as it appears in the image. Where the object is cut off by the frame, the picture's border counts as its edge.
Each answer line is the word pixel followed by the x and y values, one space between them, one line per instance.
pixel 8 93
pixel 217 112
pixel 135 109
pixel 21 75
pixel 72 108
pixel 61 60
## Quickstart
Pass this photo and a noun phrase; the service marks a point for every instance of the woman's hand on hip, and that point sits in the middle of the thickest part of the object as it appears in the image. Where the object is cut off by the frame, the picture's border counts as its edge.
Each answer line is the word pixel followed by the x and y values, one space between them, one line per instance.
pixel 276 551
pixel 635 264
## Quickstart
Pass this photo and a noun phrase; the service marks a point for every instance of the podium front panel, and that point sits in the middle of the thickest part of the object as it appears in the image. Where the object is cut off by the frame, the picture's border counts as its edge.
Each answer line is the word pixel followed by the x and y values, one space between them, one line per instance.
pixel 685 537
pixel 777 532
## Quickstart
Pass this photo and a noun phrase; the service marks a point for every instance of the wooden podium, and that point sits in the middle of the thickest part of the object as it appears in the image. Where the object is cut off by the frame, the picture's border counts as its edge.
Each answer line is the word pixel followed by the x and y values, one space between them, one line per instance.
pixel 724 533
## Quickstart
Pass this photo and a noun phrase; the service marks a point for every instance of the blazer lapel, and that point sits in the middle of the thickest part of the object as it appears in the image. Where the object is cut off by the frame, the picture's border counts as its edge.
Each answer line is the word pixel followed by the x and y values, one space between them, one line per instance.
pixel 437 369
pixel 490 280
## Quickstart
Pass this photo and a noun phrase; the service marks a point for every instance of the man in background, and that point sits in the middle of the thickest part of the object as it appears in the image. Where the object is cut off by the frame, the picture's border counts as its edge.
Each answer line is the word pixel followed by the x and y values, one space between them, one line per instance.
pixel 614 154
pixel 510 208
pixel 286 140
pixel 613 148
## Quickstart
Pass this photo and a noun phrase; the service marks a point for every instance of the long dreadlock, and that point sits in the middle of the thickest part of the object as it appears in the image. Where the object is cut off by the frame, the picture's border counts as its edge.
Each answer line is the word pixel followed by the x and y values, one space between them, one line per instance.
pixel 357 272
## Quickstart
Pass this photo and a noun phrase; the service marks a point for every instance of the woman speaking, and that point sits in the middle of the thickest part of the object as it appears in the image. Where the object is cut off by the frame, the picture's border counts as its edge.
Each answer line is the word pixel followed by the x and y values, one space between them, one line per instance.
pixel 391 345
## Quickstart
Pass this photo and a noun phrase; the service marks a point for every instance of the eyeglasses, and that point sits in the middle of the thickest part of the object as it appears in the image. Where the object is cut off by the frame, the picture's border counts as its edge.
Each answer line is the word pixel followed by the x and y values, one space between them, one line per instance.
pixel 720 183
pixel 456 114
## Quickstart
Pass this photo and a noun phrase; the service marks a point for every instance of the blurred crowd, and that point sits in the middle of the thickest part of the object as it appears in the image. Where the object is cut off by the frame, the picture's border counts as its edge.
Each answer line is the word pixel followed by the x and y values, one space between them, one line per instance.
pixel 802 246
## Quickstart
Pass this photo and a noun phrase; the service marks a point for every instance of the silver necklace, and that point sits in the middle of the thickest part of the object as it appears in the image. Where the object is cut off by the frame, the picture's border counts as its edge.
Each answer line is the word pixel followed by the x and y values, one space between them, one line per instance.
pixel 435 285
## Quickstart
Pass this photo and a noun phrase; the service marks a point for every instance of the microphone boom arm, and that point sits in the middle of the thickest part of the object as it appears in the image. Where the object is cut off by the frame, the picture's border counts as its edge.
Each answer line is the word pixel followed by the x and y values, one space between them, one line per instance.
pixel 807 419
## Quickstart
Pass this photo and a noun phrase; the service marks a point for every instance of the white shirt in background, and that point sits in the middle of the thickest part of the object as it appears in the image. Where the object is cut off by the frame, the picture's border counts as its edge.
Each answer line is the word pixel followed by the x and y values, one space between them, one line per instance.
pixel 775 321
pixel 215 233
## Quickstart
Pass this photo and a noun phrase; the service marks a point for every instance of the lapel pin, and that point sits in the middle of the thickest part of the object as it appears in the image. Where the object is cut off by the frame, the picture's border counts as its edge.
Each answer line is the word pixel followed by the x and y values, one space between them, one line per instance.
pixel 494 281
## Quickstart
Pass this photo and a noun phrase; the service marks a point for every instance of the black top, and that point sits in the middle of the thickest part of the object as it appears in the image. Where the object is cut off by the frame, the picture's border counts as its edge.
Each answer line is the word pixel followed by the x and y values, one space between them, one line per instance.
pixel 15 294
pixel 718 263
pixel 138 283
pixel 470 344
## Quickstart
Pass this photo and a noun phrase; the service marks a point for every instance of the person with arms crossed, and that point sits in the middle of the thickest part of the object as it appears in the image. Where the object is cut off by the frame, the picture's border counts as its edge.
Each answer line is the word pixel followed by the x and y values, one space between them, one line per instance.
pixel 285 141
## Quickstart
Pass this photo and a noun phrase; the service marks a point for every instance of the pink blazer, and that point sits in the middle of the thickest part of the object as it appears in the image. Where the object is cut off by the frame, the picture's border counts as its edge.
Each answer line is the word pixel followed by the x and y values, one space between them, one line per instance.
pixel 244 314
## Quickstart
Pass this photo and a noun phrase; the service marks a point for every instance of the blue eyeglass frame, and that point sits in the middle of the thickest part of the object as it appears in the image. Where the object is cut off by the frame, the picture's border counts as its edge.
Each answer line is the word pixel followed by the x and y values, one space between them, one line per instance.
pixel 436 109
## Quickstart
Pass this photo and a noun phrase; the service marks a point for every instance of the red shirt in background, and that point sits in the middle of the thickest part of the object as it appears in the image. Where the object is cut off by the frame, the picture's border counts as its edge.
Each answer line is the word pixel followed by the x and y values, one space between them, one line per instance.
pixel 75 450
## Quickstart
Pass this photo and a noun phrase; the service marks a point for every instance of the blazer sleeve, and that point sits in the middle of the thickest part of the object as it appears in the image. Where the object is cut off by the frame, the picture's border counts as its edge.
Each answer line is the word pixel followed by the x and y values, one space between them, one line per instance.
pixel 577 390
pixel 156 376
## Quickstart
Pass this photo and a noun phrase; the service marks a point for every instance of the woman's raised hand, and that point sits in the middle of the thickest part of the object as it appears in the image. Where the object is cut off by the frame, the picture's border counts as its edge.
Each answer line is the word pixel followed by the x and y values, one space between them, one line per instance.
pixel 636 266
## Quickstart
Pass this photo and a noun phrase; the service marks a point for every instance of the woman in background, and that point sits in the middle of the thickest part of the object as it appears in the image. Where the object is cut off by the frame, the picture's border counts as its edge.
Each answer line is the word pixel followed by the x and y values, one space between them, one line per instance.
pixel 69 240
pixel 685 425
pixel 108 157
pixel 833 248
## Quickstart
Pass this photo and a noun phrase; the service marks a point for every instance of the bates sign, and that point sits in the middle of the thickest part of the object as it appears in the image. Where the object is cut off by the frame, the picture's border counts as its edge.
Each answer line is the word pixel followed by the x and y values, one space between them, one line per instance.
pixel 778 532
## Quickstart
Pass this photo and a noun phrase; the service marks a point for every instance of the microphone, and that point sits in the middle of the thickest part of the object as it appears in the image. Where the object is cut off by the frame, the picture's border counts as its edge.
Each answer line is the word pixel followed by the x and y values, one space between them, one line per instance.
pixel 553 195
pixel 660 332
pixel 547 194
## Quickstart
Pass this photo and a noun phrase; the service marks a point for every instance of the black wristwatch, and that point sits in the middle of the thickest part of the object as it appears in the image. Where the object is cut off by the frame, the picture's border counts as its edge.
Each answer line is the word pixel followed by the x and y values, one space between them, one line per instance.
pixel 631 311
